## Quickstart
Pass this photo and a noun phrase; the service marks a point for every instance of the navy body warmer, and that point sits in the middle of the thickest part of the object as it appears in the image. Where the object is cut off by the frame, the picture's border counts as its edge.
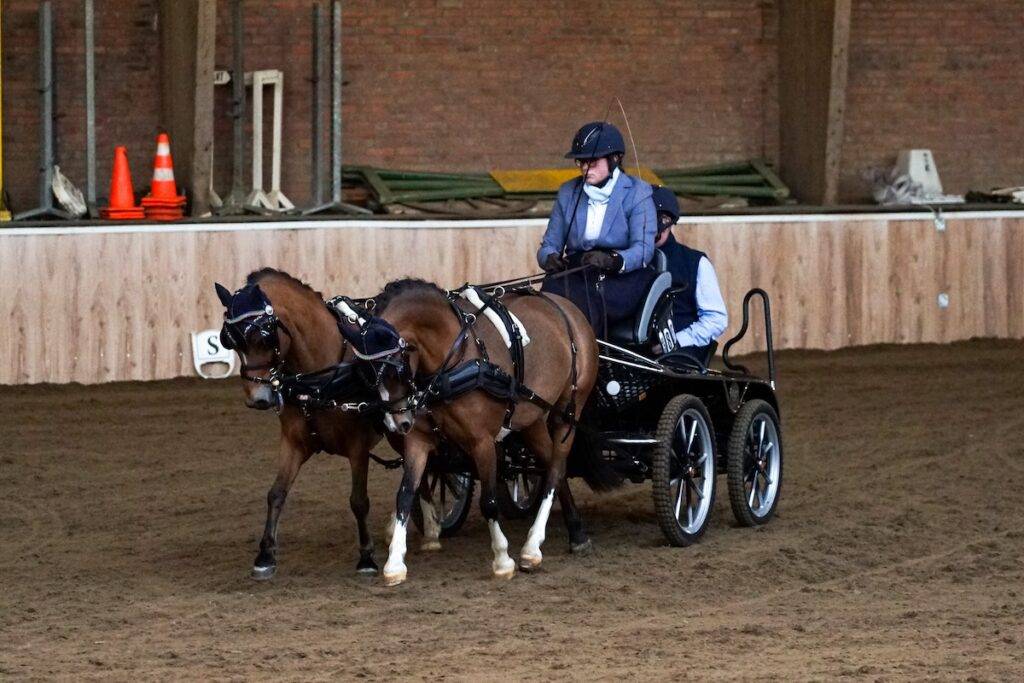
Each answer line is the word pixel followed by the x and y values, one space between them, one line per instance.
pixel 682 263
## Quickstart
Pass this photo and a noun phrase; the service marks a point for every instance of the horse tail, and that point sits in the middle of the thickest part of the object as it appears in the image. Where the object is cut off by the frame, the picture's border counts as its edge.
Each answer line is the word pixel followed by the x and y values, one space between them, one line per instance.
pixel 586 460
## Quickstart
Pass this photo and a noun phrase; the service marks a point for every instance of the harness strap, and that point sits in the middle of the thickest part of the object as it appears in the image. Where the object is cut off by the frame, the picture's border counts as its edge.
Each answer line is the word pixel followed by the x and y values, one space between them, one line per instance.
pixel 515 351
pixel 570 410
pixel 477 374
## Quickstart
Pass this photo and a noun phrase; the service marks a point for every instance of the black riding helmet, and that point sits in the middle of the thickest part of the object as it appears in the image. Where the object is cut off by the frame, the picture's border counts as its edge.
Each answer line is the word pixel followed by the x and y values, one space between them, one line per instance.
pixel 666 204
pixel 596 139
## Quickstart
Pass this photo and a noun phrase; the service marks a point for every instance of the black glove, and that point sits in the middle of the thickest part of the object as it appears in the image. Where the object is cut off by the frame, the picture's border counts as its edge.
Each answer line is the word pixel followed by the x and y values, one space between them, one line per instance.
pixel 554 263
pixel 608 261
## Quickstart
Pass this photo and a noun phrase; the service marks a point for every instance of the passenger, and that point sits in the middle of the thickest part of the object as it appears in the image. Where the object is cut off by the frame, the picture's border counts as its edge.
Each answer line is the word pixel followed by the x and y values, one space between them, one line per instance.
pixel 605 220
pixel 698 313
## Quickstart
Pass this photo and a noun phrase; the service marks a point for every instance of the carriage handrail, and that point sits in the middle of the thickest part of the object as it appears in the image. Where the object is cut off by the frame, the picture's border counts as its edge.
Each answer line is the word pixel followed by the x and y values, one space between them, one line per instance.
pixel 743 330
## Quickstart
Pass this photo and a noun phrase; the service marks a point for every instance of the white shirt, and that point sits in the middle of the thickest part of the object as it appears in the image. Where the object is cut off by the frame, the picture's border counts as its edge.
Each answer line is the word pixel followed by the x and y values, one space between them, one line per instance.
pixel 595 219
pixel 712 318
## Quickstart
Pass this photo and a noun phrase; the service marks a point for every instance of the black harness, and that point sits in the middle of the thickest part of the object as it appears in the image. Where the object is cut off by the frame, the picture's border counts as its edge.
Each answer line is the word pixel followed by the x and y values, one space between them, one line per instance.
pixel 454 380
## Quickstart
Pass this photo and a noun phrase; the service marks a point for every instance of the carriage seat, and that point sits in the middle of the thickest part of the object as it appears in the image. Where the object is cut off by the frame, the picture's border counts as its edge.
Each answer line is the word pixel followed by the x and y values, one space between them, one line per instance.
pixel 631 332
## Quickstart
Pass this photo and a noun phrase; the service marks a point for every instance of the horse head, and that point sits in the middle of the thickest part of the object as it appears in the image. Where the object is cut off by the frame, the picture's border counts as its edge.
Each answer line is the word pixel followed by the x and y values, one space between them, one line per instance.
pixel 388 363
pixel 254 330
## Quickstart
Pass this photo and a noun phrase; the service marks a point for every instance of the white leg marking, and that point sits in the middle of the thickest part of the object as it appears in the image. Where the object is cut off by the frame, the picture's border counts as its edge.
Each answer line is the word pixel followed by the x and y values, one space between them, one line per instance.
pixel 431 525
pixel 389 419
pixel 503 565
pixel 395 570
pixel 530 556
pixel 502 433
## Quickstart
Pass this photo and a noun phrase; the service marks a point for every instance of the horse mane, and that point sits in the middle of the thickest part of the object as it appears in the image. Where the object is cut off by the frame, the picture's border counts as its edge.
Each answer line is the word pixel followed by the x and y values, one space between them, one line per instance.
pixel 256 276
pixel 403 287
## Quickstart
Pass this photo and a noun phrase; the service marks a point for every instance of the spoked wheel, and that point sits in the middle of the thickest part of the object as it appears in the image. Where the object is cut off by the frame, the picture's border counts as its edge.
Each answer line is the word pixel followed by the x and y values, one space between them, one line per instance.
pixel 519 496
pixel 452 493
pixel 755 463
pixel 519 483
pixel 684 470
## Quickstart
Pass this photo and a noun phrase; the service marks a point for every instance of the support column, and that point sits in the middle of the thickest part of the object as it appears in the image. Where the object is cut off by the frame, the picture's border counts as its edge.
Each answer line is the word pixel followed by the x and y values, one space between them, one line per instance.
pixel 814 38
pixel 187 41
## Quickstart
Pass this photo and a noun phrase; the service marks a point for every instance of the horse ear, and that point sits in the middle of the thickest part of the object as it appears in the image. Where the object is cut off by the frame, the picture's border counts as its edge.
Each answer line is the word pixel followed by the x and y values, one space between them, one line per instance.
pixel 223 294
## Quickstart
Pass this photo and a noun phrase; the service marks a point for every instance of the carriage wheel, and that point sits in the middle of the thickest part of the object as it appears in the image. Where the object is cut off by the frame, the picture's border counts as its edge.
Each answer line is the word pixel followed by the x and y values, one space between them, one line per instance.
pixel 684 470
pixel 755 463
pixel 519 497
pixel 452 493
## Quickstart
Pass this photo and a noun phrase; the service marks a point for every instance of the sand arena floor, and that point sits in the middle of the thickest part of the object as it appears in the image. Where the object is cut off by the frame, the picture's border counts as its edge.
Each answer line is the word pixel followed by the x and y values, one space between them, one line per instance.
pixel 131 515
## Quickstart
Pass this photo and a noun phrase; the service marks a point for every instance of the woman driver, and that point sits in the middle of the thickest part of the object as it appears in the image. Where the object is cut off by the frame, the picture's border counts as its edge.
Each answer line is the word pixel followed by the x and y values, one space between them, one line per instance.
pixel 605 220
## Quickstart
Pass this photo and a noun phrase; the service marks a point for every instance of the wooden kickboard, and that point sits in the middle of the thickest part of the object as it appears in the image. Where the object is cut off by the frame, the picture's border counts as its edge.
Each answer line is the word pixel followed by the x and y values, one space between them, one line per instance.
pixel 550 179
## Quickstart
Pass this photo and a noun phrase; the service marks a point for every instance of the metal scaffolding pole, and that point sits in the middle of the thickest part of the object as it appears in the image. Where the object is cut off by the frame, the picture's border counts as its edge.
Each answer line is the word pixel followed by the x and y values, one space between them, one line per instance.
pixel 5 215
pixel 336 204
pixel 316 150
pixel 336 102
pixel 235 202
pixel 46 209
pixel 90 110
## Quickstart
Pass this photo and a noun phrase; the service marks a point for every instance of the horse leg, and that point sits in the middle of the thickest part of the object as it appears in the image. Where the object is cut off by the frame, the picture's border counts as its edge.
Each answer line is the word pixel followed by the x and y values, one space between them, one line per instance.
pixel 487 467
pixel 579 541
pixel 538 440
pixel 431 523
pixel 359 501
pixel 290 460
pixel 415 460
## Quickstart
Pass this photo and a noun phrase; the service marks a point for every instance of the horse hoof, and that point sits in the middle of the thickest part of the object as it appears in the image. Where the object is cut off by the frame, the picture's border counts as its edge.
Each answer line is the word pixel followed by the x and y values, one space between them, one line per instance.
pixel 367 568
pixel 393 579
pixel 430 546
pixel 506 573
pixel 529 562
pixel 582 549
pixel 263 573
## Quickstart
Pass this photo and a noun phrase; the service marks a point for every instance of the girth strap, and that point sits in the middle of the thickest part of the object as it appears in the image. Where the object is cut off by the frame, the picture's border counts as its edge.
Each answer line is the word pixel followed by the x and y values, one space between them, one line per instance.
pixel 480 374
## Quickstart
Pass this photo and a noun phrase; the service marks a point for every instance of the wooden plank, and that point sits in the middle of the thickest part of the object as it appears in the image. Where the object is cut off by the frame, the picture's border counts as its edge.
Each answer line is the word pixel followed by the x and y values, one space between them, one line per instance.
pixel 813 55
pixel 836 98
pixel 202 117
pixel 121 306
pixel 1014 277
pixel 995 279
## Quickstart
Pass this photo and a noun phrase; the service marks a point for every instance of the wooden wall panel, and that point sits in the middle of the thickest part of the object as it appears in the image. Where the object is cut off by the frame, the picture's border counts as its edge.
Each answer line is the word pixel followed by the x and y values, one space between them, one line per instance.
pixel 104 307
pixel 1014 278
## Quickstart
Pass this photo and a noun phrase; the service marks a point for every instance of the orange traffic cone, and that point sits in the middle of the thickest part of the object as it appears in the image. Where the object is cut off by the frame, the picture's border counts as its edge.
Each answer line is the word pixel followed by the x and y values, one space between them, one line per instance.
pixel 122 196
pixel 163 202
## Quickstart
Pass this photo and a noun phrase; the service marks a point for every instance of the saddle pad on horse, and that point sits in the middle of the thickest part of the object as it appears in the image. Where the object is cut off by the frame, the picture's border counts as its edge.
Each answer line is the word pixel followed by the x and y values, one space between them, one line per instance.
pixel 471 295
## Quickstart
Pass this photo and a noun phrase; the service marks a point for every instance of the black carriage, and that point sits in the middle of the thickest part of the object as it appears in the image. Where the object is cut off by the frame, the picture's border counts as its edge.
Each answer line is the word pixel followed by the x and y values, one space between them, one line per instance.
pixel 669 418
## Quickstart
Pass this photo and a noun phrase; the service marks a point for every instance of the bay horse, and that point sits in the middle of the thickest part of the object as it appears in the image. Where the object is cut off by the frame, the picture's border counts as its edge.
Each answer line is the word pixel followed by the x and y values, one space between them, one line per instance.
pixel 430 333
pixel 280 326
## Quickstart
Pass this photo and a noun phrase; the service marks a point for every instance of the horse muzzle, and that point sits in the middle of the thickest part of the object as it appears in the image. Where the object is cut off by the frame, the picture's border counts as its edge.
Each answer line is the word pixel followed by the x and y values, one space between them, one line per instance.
pixel 264 398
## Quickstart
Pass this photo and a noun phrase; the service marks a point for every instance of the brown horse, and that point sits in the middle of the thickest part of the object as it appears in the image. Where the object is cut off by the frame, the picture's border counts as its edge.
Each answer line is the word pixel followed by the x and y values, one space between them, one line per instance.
pixel 429 330
pixel 279 325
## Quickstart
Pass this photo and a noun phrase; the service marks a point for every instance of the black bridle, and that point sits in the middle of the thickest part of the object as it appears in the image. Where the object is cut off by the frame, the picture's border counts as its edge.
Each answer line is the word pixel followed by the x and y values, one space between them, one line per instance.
pixel 396 357
pixel 263 325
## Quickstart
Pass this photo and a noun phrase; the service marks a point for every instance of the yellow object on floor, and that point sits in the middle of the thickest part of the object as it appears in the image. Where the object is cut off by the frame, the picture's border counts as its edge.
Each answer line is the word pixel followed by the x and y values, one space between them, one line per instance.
pixel 550 179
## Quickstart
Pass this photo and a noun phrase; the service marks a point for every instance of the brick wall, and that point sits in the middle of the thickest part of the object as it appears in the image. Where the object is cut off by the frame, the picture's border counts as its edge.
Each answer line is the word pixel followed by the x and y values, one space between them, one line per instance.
pixel 940 74
pixel 460 84
pixel 127 91
pixel 478 84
